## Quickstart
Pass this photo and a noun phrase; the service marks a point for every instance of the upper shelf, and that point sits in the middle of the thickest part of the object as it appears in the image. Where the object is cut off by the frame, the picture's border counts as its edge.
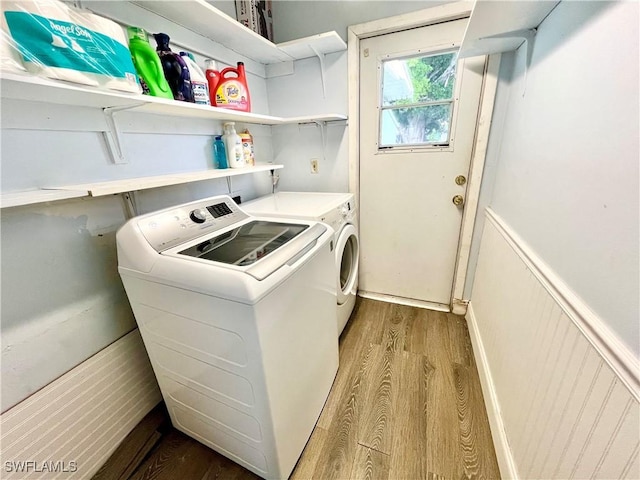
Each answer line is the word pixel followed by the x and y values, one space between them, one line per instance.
pixel 32 88
pixel 306 47
pixel 496 27
pixel 206 20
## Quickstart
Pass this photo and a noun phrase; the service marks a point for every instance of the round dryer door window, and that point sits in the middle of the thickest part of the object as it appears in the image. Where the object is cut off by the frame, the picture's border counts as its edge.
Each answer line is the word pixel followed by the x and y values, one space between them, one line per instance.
pixel 347 252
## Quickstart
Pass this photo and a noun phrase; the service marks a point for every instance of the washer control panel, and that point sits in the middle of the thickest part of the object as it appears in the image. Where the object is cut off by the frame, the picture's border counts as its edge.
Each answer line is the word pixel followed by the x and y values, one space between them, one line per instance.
pixel 171 227
pixel 199 215
pixel 340 216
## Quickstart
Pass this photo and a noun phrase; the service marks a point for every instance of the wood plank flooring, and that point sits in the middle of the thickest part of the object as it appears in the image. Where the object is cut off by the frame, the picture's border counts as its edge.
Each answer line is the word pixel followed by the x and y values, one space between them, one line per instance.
pixel 406 404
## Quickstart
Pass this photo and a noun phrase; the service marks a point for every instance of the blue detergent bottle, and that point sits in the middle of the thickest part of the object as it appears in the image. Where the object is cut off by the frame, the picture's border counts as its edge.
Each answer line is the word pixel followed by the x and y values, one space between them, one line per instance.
pixel 219 153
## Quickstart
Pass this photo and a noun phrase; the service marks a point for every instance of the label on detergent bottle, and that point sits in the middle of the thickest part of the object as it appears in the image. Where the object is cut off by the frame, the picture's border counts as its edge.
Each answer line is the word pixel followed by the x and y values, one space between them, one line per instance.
pixel 200 92
pixel 231 92
pixel 247 148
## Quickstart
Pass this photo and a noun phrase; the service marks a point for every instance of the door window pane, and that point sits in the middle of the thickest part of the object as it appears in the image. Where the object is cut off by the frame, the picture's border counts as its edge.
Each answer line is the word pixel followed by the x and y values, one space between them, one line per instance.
pixel 416 125
pixel 417 100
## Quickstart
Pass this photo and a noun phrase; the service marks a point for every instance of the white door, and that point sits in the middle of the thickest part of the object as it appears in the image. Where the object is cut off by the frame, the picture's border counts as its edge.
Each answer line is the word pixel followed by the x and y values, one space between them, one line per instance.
pixel 418 112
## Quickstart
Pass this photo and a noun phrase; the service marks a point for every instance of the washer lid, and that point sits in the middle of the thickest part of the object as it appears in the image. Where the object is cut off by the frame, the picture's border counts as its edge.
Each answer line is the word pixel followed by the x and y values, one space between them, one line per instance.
pixel 261 245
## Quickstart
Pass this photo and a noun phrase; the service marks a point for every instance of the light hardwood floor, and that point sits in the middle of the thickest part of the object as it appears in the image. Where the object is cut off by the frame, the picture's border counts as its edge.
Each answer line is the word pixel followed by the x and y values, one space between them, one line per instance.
pixel 406 404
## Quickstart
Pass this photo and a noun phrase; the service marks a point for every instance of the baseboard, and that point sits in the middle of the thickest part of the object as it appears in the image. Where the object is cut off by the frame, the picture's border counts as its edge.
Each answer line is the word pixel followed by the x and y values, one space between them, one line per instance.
pixel 71 427
pixel 382 297
pixel 500 441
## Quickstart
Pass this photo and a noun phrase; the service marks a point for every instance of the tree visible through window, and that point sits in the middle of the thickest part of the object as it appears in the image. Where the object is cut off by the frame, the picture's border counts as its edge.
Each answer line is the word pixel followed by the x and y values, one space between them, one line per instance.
pixel 417 100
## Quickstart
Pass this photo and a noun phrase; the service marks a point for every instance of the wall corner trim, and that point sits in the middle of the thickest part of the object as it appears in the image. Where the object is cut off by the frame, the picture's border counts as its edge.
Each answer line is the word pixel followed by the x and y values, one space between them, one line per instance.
pixel 459 307
pixel 617 355
pixel 506 462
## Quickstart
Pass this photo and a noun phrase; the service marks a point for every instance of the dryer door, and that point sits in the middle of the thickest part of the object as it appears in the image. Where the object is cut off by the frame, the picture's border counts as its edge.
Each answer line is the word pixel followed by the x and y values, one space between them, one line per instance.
pixel 347 253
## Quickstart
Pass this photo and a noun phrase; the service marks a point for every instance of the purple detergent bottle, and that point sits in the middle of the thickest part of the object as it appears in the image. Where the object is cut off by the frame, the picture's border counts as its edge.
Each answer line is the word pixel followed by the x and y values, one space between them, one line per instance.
pixel 175 69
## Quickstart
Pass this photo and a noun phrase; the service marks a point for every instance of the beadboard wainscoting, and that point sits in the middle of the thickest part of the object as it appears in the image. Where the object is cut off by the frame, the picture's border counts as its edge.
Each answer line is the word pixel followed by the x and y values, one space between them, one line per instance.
pixel 71 427
pixel 561 390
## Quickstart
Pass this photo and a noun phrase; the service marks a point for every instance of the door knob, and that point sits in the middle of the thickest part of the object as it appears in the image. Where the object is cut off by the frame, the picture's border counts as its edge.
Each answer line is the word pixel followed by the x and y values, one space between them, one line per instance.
pixel 461 180
pixel 458 200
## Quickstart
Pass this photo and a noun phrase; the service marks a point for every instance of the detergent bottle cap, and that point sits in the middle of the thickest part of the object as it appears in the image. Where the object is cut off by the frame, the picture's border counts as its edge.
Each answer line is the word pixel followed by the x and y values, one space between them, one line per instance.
pixel 137 32
pixel 210 64
pixel 162 39
pixel 188 54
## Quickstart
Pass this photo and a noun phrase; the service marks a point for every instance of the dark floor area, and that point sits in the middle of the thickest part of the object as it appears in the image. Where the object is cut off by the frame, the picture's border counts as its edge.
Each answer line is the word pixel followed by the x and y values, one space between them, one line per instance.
pixel 155 450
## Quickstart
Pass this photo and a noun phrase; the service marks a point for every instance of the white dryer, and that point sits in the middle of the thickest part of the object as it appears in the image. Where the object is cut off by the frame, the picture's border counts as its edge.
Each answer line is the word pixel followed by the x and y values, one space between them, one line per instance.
pixel 234 312
pixel 339 211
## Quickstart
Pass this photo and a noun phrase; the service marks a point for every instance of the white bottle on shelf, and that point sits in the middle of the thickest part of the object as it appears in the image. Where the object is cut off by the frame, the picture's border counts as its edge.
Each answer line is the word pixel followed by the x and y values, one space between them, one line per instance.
pixel 233 144
pixel 198 80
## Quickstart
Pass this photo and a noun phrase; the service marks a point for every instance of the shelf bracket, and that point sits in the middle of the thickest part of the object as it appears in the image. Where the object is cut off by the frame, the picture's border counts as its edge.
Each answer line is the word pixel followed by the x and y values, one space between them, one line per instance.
pixel 113 135
pixel 129 204
pixel 322 70
pixel 323 136
pixel 528 36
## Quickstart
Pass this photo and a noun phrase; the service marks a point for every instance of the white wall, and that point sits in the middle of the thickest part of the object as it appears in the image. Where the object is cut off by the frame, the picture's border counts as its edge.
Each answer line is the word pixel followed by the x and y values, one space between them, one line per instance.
pixel 567 161
pixel 302 93
pixel 297 19
pixel 295 146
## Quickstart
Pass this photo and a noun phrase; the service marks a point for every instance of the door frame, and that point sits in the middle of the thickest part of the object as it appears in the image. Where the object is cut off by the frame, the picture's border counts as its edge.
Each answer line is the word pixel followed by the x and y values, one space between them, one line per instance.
pixel 422 18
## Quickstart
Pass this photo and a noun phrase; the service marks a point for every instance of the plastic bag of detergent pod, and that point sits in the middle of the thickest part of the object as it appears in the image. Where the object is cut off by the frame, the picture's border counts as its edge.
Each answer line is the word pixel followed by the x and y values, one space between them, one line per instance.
pixel 61 42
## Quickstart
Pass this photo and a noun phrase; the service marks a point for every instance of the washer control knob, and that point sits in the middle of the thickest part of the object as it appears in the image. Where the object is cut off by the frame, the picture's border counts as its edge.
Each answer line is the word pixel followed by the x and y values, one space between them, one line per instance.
pixel 199 215
pixel 344 211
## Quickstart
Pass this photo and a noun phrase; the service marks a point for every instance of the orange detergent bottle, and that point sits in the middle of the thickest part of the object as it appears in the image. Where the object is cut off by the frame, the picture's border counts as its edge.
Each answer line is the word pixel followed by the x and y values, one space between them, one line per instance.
pixel 232 91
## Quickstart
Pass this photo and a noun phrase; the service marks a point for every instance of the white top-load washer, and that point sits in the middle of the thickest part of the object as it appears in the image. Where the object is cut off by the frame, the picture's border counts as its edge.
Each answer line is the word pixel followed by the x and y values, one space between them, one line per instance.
pixel 339 211
pixel 236 316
